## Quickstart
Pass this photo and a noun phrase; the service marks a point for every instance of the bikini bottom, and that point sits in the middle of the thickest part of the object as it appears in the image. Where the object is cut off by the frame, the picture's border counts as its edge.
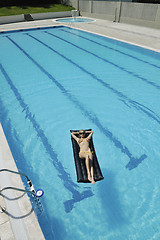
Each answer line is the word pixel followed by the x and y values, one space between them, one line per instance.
pixel 86 152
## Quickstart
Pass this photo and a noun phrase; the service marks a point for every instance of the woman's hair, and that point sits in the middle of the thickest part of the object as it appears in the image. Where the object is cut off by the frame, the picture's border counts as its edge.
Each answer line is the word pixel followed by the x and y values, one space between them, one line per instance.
pixel 80 131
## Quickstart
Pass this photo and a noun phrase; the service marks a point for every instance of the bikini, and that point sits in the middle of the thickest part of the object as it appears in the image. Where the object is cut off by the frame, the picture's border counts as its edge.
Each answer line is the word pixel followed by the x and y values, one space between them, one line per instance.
pixel 86 152
pixel 81 140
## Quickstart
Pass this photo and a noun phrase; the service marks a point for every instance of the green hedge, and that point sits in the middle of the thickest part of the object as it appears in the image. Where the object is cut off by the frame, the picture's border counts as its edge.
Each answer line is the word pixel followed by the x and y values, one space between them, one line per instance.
pixel 6 3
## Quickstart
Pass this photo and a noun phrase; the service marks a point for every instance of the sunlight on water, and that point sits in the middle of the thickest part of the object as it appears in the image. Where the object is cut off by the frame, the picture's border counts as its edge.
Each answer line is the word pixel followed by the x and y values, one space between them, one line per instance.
pixel 57 79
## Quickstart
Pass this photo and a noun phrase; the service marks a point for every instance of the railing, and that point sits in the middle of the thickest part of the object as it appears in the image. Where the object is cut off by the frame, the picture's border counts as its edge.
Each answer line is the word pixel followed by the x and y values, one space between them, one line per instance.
pixel 18 189
pixel 7 170
pixel 36 194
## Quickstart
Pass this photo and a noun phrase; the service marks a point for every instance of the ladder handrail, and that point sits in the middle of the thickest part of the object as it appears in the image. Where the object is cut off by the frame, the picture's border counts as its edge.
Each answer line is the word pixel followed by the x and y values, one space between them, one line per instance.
pixel 7 170
pixel 18 189
pixel 36 194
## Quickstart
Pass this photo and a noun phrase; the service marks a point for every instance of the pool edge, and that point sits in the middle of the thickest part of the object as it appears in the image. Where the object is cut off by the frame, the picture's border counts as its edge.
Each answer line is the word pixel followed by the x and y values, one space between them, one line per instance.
pixel 93 29
pixel 25 224
pixel 114 38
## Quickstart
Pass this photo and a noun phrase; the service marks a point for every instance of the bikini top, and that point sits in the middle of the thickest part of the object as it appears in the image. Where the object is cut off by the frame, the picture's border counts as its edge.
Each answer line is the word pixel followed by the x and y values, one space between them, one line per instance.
pixel 81 140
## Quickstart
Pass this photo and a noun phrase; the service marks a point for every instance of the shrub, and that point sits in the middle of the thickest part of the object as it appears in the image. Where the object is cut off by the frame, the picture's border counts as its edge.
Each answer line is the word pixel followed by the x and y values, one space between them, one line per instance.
pixel 7 3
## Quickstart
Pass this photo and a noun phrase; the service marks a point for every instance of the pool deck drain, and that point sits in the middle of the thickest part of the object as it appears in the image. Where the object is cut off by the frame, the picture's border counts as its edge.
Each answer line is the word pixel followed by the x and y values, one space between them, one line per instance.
pixel 23 214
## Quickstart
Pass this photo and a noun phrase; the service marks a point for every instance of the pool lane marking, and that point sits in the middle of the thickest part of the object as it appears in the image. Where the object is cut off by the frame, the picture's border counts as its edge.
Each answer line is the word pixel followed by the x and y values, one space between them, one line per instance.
pixel 134 162
pixel 134 104
pixel 106 60
pixel 93 54
pixel 63 175
pixel 110 48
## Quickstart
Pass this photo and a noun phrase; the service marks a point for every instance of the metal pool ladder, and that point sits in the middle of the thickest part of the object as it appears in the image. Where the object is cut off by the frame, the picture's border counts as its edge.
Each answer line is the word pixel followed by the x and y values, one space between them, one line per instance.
pixel 36 194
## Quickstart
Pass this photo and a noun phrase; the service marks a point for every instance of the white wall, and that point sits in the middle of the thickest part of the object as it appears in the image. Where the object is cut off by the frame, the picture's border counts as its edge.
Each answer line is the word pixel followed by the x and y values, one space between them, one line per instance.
pixel 36 16
pixel 144 14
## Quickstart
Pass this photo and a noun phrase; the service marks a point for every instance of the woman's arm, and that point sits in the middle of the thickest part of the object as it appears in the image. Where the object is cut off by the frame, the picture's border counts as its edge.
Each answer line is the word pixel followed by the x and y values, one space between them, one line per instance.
pixel 90 134
pixel 74 136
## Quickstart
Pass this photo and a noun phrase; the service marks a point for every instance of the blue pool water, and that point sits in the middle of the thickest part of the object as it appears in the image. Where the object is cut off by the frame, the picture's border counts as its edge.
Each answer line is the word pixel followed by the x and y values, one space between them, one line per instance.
pixel 75 20
pixel 56 79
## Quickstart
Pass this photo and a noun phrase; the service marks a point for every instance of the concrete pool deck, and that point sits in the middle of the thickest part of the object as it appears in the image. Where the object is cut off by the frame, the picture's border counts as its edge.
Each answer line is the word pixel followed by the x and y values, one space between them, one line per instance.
pixel 19 220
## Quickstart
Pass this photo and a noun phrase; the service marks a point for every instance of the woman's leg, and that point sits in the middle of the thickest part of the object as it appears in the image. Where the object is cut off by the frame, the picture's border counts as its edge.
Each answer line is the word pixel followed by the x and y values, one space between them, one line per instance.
pixel 89 165
pixel 91 169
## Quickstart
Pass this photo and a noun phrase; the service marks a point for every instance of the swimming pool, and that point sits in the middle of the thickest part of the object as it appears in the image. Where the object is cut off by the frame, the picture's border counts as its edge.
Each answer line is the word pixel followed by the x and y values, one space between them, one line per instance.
pixel 57 79
pixel 75 19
